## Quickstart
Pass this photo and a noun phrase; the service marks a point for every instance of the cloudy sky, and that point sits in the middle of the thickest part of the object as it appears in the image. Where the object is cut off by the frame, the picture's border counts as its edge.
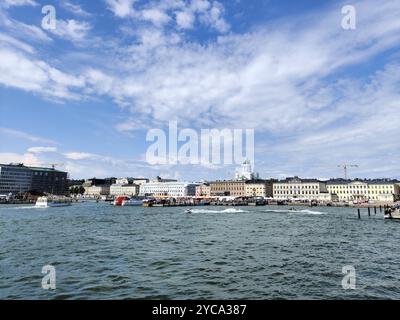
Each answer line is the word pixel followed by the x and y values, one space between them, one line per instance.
pixel 86 93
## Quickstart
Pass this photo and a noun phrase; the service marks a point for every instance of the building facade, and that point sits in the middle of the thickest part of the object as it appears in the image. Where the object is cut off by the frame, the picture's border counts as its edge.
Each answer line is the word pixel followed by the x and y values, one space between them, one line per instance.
pixel 17 178
pixel 96 191
pixel 301 189
pixel 124 187
pixel 259 189
pixel 234 188
pixel 170 189
pixel 241 188
pixel 49 181
pixel 365 190
pixel 203 190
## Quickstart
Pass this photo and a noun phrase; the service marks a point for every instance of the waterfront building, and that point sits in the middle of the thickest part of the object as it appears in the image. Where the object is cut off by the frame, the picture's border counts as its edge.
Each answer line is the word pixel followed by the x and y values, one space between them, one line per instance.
pixel 49 180
pixel 301 189
pixel 258 188
pixel 203 190
pixel 97 191
pixel 235 188
pixel 171 189
pixel 241 188
pixel 124 187
pixel 365 190
pixel 17 178
pixel 245 172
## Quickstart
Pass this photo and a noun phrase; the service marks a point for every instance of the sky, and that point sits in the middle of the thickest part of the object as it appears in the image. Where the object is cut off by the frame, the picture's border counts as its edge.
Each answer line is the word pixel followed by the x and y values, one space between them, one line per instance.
pixel 317 95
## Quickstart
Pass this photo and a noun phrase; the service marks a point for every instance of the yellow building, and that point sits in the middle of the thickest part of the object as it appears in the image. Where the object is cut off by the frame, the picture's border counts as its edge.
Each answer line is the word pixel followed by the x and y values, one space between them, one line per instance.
pixel 258 189
pixel 228 188
pixel 366 190
pixel 101 190
pixel 241 188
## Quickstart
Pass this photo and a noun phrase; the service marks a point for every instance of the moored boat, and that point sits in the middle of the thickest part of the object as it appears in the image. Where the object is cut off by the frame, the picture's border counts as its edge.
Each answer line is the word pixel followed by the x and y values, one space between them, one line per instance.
pixel 118 200
pixel 132 202
pixel 46 202
pixel 392 213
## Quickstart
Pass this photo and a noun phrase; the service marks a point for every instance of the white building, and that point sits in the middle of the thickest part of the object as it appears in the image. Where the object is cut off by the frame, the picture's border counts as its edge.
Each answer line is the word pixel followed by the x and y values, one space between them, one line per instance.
pixel 245 172
pixel 172 189
pixel 101 190
pixel 301 189
pixel 124 190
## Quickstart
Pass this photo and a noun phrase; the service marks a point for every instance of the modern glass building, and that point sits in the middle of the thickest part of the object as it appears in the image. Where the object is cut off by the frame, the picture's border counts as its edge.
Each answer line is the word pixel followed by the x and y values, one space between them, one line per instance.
pixel 17 178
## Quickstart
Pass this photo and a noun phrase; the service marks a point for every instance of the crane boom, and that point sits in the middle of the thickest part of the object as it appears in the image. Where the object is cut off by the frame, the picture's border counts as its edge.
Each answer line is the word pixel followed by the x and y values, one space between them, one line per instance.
pixel 345 166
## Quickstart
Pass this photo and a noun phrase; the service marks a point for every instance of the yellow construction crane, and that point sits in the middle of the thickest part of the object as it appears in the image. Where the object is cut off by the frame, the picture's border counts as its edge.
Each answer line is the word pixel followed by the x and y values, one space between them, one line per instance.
pixel 345 166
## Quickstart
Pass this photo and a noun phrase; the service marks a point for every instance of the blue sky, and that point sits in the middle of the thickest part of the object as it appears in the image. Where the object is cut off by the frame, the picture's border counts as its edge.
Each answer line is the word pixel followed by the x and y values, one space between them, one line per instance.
pixel 86 93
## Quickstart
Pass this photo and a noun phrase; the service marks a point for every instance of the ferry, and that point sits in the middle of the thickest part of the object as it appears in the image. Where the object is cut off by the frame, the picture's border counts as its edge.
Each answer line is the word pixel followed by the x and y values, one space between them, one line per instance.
pixel 132 202
pixel 118 200
pixel 392 213
pixel 46 202
pixel 127 201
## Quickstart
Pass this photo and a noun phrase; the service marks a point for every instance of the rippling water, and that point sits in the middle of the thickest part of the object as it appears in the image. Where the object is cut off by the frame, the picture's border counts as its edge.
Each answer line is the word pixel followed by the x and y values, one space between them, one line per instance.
pixel 105 252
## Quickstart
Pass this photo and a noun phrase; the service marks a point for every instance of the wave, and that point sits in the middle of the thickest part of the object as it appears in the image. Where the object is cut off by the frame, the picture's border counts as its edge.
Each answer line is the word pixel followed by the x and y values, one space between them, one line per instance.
pixel 19 208
pixel 295 211
pixel 230 210
pixel 307 212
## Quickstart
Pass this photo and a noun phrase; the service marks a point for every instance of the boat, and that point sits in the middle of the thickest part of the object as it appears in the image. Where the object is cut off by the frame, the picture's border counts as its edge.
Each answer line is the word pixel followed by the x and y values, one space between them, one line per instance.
pixel 392 213
pixel 46 202
pixel 132 202
pixel 118 200
pixel 188 211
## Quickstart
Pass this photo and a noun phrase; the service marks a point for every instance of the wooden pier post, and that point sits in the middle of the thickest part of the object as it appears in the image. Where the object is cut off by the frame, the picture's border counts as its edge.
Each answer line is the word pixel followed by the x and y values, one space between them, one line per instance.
pixel 380 208
pixel 369 211
pixel 358 211
pixel 375 209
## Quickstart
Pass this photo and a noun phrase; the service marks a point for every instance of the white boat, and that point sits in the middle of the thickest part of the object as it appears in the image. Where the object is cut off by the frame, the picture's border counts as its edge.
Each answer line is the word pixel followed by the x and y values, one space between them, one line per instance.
pixel 46 202
pixel 392 213
pixel 132 202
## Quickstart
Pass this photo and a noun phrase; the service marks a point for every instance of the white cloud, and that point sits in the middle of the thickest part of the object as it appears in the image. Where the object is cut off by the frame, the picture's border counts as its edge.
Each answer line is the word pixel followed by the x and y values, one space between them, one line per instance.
pixel 121 8
pixel 79 155
pixel 24 135
pixel 74 8
pixel 7 40
pixel 26 158
pixel 214 18
pixel 156 16
pixel 11 3
pixel 37 150
pixel 133 124
pixel 22 30
pixel 71 29
pixel 185 19
pixel 185 13
pixel 17 69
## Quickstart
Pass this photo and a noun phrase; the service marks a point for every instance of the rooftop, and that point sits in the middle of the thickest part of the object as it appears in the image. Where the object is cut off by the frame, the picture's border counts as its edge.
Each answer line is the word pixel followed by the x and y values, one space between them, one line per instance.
pixel 21 165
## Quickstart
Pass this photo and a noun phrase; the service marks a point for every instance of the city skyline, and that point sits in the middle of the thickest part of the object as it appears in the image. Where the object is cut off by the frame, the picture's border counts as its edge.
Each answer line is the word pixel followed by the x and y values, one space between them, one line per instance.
pixel 86 93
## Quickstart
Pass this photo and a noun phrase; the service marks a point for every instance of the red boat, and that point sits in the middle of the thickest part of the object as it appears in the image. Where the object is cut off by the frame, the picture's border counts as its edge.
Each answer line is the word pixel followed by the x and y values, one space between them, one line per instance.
pixel 118 200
